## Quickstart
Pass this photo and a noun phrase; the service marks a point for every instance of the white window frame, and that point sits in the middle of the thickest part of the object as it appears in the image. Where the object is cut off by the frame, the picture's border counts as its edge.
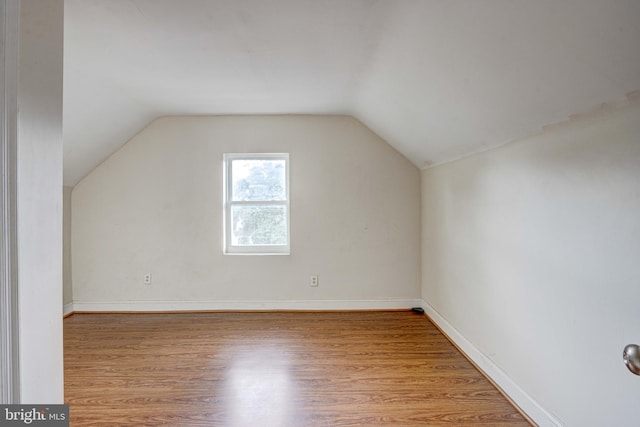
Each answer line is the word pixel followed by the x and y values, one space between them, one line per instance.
pixel 228 247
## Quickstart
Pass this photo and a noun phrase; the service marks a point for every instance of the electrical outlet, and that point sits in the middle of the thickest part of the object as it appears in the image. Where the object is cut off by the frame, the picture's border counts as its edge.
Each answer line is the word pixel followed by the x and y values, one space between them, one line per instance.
pixel 147 278
pixel 313 280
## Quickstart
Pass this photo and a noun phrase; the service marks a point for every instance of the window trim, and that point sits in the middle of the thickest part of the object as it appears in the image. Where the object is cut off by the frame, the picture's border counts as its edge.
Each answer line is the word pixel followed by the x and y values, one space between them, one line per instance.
pixel 228 247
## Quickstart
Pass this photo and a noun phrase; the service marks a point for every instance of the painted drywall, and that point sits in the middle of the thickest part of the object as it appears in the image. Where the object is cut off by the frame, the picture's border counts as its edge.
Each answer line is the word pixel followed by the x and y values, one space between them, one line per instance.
pixel 531 252
pixel 156 206
pixel 39 192
pixel 436 79
pixel 67 294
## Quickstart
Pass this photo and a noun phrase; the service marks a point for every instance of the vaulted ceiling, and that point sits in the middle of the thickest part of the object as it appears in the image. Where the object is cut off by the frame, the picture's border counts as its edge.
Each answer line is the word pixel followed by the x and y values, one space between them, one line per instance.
pixel 437 79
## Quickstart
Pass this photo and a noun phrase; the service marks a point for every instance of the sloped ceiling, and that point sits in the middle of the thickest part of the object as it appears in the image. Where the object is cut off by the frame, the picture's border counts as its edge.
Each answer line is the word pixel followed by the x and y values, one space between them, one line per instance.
pixel 437 79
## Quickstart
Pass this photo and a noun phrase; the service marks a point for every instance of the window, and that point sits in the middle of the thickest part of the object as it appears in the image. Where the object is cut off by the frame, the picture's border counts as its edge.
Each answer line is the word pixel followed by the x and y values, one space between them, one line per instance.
pixel 256 211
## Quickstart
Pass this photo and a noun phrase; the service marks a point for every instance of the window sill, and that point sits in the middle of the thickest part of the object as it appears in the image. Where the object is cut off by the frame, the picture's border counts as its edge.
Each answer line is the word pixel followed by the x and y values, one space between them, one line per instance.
pixel 257 253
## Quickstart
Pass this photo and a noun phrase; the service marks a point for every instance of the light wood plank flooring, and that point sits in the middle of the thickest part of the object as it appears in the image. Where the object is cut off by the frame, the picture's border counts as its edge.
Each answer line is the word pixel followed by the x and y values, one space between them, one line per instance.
pixel 272 369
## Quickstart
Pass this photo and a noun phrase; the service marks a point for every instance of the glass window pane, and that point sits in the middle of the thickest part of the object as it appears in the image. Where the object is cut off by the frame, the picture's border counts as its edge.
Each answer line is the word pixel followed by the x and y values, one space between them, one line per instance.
pixel 255 180
pixel 258 225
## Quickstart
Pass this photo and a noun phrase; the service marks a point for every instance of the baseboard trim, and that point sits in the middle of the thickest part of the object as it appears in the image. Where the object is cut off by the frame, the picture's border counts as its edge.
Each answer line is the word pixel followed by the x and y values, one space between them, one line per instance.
pixel 529 407
pixel 289 305
pixel 67 309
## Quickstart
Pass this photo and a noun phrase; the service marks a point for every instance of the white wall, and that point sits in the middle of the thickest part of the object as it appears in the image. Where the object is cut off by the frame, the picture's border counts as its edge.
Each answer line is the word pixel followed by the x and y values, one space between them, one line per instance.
pixel 67 294
pixel 40 201
pixel 532 252
pixel 156 206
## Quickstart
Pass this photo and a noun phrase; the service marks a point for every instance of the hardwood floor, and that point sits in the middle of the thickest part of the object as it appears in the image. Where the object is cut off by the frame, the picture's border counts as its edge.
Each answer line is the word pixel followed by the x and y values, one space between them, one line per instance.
pixel 272 369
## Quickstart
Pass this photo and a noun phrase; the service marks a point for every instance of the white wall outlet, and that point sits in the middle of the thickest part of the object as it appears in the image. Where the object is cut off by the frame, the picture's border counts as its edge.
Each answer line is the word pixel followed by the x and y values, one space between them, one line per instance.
pixel 147 278
pixel 313 280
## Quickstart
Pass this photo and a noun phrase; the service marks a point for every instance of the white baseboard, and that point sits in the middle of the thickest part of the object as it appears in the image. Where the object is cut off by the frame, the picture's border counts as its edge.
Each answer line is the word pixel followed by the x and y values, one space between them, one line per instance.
pixel 67 309
pixel 386 304
pixel 526 403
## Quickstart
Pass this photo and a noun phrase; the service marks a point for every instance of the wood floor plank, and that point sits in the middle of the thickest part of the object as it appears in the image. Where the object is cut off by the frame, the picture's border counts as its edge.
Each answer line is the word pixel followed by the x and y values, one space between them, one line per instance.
pixel 272 369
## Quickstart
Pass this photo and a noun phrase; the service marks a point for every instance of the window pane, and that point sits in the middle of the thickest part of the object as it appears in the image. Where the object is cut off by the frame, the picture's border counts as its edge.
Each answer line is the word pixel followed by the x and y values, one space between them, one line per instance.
pixel 258 225
pixel 255 180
